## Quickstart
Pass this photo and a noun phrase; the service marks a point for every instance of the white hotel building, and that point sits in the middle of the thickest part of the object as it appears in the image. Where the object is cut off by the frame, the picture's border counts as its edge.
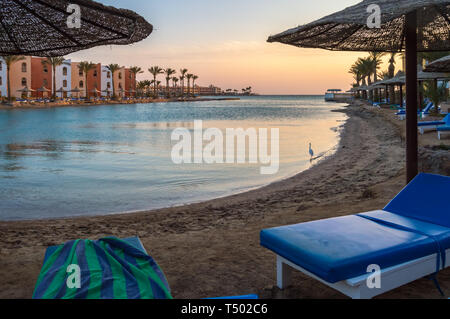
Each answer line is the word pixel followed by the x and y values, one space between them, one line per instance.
pixel 106 81
pixel 63 78
pixel 3 78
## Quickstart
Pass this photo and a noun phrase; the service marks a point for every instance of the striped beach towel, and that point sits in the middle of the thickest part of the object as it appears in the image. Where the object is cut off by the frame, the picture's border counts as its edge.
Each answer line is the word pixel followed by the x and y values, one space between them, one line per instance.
pixel 109 268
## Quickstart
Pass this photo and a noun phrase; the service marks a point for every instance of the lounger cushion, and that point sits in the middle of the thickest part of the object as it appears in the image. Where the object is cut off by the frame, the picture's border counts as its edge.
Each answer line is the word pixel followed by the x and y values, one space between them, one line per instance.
pixel 342 248
pixel 426 199
pixel 436 123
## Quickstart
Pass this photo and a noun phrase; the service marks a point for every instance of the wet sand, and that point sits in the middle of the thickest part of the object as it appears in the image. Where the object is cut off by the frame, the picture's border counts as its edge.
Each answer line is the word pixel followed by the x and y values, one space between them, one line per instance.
pixel 212 248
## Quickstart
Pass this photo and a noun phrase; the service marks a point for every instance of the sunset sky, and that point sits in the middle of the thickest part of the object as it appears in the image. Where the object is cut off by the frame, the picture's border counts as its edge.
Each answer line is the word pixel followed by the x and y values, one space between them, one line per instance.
pixel 224 43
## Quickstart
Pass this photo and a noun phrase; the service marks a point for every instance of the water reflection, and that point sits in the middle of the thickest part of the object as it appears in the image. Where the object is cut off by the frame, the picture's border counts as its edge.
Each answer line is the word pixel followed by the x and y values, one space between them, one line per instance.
pixel 108 159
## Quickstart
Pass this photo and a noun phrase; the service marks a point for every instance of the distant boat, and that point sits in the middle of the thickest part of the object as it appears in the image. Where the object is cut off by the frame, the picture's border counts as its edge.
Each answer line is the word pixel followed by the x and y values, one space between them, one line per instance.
pixel 336 95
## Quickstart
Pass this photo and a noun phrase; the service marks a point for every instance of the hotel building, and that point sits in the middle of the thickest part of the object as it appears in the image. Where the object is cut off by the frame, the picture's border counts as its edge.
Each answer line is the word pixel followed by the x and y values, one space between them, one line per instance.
pixel 34 74
pixel 42 77
pixel 64 79
pixel 106 82
pixel 20 76
pixel 3 78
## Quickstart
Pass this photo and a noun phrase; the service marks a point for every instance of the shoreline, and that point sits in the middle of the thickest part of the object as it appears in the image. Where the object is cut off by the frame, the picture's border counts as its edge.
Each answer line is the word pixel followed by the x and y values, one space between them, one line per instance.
pixel 216 243
pixel 108 103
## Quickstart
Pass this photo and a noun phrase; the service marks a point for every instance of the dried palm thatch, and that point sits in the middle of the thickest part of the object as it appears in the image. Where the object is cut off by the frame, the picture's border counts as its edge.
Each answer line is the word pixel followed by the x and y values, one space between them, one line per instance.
pixel 441 65
pixel 347 30
pixel 39 27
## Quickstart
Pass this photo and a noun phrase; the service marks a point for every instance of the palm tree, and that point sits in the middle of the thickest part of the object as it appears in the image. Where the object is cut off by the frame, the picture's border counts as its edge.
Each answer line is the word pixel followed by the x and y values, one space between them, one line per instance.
pixel 365 69
pixel 189 76
pixel 155 71
pixel 85 67
pixel 391 71
pixel 194 78
pixel 9 61
pixel 174 83
pixel 376 63
pixel 435 93
pixel 169 72
pixel 135 70
pixel 54 62
pixel 183 73
pixel 113 68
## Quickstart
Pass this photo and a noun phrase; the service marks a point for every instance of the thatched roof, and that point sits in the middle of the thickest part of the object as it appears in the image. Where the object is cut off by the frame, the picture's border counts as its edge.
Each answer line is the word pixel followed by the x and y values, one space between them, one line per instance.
pixel 39 27
pixel 347 30
pixel 441 65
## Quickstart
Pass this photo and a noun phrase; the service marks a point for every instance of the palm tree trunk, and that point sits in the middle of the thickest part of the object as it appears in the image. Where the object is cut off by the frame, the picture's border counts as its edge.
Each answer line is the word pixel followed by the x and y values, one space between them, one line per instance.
pixel 87 86
pixel 113 87
pixel 54 83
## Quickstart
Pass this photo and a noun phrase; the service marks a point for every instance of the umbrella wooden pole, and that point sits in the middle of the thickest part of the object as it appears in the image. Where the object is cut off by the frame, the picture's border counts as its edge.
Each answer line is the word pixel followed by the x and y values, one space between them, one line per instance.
pixel 412 163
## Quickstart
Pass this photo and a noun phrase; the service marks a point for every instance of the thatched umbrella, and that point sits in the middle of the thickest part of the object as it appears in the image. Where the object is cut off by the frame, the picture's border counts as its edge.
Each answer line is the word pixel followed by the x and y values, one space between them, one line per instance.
pixel 43 90
pixel 412 26
pixel 76 90
pixel 441 65
pixel 46 28
pixel 62 91
pixel 26 91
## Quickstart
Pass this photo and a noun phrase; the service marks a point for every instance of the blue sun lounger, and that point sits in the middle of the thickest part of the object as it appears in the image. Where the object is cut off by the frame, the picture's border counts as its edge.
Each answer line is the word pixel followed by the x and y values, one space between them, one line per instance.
pixel 406 241
pixel 426 111
pixel 433 125
pixel 444 129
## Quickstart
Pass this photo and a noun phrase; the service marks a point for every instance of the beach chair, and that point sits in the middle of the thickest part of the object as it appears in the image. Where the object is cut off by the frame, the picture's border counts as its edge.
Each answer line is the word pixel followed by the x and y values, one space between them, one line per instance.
pixel 426 111
pixel 110 268
pixel 408 240
pixel 433 125
pixel 445 128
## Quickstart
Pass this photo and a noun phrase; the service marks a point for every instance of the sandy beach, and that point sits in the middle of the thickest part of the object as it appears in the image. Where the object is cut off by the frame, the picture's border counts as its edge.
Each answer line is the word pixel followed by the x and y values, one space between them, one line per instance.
pixel 212 248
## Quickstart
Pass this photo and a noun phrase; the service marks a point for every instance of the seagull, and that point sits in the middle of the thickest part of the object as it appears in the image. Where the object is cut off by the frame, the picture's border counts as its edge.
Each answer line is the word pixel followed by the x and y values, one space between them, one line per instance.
pixel 311 152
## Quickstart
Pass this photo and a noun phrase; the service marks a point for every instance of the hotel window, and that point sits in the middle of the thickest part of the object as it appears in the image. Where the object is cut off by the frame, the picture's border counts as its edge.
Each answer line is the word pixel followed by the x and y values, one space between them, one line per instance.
pixel 45 69
pixel 95 73
pixel 120 75
pixel 1 65
pixel 65 83
pixel 80 73
pixel 45 83
pixel 108 85
pixel 24 67
pixel 24 82
pixel 81 84
pixel 108 74
pixel 1 81
pixel 120 85
pixel 64 71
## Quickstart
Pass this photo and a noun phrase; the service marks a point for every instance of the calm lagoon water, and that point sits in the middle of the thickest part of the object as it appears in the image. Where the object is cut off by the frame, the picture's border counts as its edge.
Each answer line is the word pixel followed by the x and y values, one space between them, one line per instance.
pixel 84 161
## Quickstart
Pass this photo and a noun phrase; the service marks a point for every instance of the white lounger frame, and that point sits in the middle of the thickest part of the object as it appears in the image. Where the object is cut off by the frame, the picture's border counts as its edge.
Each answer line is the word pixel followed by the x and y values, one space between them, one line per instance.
pixel 428 128
pixel 356 288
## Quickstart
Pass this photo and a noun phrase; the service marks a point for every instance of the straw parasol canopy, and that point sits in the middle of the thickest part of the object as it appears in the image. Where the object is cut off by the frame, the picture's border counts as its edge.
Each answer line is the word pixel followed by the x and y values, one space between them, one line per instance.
pixel 41 28
pixel 43 89
pixel 347 30
pixel 409 25
pixel 75 90
pixel 61 90
pixel 26 90
pixel 441 65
